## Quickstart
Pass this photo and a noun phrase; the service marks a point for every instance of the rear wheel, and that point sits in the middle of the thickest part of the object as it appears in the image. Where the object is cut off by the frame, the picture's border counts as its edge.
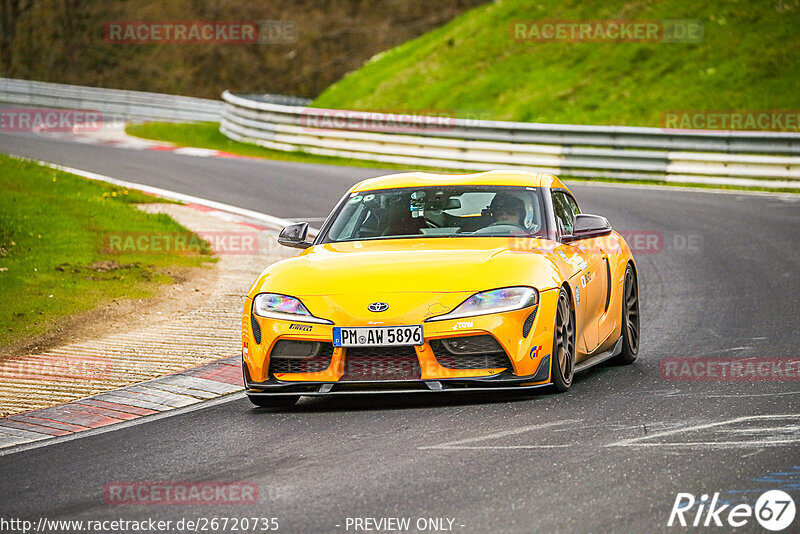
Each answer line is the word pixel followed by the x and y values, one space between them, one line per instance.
pixel 563 361
pixel 274 402
pixel 630 319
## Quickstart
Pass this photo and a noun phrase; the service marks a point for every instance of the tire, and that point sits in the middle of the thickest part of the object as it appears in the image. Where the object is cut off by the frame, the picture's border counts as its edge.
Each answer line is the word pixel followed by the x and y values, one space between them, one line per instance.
pixel 562 365
pixel 630 320
pixel 274 402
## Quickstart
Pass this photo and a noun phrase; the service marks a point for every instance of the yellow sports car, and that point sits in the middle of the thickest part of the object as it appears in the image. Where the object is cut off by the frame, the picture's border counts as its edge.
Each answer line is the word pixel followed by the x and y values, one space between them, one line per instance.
pixel 423 282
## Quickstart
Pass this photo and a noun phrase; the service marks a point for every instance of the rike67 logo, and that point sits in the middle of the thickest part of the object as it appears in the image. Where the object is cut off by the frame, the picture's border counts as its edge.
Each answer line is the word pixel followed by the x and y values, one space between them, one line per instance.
pixel 774 510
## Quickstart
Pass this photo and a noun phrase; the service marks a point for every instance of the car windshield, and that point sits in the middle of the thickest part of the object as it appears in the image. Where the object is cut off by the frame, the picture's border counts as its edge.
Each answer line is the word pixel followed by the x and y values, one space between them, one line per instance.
pixel 453 211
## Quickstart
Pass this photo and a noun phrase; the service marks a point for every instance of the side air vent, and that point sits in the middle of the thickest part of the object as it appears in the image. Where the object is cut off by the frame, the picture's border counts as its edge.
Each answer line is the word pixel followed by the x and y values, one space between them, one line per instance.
pixel 528 324
pixel 256 329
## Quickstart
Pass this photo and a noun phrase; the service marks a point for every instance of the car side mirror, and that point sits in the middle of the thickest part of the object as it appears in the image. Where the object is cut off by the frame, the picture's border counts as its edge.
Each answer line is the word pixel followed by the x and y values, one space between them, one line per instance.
pixel 294 236
pixel 587 226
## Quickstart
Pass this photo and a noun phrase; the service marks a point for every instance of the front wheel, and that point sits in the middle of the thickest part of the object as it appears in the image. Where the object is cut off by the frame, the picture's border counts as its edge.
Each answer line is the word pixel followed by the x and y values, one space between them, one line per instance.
pixel 563 361
pixel 283 401
pixel 630 319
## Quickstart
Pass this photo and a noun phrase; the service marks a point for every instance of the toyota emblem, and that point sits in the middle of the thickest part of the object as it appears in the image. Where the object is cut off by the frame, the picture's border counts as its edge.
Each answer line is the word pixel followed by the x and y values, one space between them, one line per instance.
pixel 378 307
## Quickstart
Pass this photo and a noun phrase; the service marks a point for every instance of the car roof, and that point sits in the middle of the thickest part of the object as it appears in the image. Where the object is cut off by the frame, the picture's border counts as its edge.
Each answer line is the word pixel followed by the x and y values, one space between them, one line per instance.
pixel 422 179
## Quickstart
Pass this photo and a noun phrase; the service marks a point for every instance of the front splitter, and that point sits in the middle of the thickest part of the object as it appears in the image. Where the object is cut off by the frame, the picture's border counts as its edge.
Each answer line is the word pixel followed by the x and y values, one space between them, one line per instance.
pixel 505 381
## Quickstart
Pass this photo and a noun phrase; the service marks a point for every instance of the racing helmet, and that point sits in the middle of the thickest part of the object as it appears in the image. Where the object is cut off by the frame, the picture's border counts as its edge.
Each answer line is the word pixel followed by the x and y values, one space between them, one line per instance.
pixel 507 202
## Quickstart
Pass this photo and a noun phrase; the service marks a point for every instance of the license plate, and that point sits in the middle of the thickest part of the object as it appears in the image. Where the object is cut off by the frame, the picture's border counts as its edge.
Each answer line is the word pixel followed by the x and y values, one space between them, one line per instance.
pixel 377 336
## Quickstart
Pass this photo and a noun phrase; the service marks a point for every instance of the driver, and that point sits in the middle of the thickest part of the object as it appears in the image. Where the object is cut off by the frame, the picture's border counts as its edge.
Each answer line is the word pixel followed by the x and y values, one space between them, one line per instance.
pixel 507 209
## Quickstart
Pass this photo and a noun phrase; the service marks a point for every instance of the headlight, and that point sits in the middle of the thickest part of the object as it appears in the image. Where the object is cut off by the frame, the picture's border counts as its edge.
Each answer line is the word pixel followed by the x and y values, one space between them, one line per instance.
pixel 494 301
pixel 276 306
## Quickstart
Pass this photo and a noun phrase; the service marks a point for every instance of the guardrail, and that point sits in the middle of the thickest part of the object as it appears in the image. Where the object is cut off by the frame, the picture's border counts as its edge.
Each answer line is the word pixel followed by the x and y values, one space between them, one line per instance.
pixel 111 103
pixel 764 159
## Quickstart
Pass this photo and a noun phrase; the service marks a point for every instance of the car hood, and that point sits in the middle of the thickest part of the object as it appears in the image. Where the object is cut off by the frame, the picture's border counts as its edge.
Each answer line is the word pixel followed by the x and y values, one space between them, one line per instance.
pixel 429 265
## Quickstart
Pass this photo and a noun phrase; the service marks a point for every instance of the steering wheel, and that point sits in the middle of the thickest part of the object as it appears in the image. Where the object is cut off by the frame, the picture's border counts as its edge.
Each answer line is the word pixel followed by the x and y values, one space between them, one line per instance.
pixel 514 225
pixel 500 227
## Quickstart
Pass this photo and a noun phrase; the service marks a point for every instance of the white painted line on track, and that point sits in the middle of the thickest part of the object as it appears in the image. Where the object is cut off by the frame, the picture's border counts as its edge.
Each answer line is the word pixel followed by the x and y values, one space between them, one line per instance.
pixel 462 444
pixel 716 444
pixel 772 434
pixel 269 220
pixel 192 151
pixel 731 395
pixel 498 447
pixel 762 430
pixel 718 426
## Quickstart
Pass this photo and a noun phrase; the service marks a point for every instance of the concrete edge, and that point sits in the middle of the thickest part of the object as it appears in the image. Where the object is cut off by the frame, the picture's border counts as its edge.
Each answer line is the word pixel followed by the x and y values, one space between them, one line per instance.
pixel 192 386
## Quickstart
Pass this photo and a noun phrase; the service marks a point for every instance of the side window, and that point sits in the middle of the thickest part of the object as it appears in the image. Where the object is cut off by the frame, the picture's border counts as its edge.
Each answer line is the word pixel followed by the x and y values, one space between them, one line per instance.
pixel 564 209
pixel 573 206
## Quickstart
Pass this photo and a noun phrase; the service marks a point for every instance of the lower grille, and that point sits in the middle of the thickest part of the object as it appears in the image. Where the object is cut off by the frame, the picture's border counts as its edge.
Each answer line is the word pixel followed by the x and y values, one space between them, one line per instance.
pixel 381 363
pixel 466 345
pixel 452 359
pixel 310 364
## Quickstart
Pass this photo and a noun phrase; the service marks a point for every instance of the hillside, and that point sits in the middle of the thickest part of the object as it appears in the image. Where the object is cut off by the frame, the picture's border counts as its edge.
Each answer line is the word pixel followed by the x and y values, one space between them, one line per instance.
pixel 65 41
pixel 748 59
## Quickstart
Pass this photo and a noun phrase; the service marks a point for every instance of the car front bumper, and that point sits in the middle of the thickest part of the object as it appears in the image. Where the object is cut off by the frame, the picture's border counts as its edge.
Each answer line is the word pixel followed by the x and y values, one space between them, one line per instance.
pixel 504 380
pixel 526 337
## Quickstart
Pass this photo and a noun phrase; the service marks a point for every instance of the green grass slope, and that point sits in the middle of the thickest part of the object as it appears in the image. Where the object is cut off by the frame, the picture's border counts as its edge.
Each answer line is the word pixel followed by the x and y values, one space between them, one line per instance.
pixel 749 59
pixel 54 228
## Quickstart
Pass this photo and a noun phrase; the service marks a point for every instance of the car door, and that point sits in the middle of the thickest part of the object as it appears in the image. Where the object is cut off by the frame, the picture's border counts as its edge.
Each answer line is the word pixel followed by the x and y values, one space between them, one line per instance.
pixel 589 279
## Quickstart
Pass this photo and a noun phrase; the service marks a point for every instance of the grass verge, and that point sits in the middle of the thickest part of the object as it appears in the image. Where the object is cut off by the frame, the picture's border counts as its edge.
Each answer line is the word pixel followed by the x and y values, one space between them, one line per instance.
pixel 53 230
pixel 207 135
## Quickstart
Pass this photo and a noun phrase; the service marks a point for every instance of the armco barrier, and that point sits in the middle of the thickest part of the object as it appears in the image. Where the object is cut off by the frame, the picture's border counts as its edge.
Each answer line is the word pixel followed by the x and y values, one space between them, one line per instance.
pixel 765 159
pixel 121 104
pixel 111 103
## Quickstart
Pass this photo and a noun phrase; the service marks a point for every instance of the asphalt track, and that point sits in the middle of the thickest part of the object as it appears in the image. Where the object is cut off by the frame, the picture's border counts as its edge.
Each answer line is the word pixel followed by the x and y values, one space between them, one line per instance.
pixel 608 456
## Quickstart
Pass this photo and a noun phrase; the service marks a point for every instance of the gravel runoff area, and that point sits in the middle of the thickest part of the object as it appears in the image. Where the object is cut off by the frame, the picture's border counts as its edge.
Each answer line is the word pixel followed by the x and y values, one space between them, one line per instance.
pixel 159 342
